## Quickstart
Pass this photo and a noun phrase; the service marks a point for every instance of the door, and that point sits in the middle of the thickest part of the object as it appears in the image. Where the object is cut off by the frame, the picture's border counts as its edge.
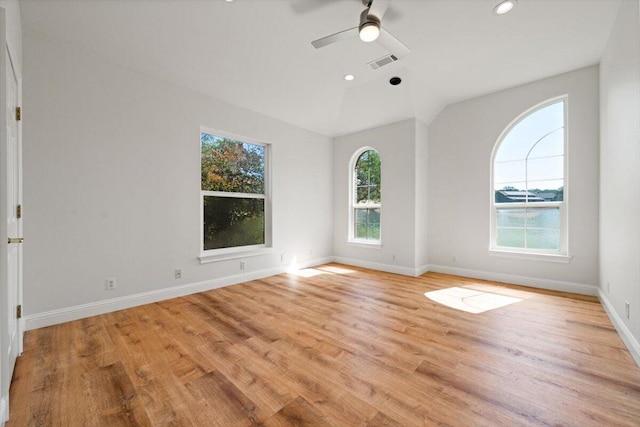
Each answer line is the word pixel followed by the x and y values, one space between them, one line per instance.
pixel 11 190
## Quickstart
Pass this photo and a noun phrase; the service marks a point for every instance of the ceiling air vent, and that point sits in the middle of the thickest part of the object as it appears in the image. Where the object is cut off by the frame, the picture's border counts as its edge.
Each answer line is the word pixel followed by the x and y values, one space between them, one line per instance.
pixel 380 62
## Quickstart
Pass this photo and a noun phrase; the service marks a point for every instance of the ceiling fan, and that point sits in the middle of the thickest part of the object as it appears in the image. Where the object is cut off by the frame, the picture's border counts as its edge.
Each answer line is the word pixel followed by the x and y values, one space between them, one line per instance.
pixel 369 30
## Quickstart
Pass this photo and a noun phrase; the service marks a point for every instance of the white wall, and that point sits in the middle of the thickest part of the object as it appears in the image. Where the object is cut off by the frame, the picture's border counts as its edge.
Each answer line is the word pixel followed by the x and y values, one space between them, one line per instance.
pixel 461 140
pixel 112 181
pixel 620 172
pixel 396 145
pixel 422 196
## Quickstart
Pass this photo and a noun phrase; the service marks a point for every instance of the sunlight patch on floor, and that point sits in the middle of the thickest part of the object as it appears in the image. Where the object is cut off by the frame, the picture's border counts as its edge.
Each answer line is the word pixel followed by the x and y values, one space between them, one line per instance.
pixel 470 300
pixel 306 272
pixel 336 270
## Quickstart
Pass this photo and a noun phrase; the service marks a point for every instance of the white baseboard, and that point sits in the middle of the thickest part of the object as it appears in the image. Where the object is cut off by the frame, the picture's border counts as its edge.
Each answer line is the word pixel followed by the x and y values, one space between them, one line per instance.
pixel 553 285
pixel 627 337
pixel 389 268
pixel 67 314
pixel 421 270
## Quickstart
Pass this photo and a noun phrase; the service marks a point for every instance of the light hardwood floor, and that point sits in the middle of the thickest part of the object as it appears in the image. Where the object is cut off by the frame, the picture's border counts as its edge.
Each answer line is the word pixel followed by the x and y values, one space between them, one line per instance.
pixel 346 347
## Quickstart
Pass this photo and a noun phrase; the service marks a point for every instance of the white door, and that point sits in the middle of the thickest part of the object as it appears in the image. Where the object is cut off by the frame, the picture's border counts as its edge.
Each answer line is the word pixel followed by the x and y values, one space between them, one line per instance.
pixel 11 282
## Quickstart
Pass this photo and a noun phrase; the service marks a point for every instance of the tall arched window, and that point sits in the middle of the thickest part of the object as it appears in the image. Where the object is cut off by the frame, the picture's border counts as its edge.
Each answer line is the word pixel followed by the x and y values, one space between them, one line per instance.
pixel 365 197
pixel 529 194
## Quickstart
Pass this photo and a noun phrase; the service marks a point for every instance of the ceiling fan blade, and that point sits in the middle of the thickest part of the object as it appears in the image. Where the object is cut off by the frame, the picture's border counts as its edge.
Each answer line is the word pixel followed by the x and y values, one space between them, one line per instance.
pixel 392 44
pixel 337 37
pixel 378 8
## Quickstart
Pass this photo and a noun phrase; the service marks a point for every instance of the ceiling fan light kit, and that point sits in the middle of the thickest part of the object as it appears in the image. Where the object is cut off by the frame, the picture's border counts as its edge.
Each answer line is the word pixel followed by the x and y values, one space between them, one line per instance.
pixel 369 28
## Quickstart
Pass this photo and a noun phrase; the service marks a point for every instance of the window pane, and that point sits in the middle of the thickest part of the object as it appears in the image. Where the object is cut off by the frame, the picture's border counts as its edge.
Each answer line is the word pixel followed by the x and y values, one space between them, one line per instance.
pixel 545 169
pixel 508 172
pixel 511 217
pixel 367 194
pixel 361 216
pixel 374 216
pixel 367 176
pixel 543 239
pixel 374 232
pixel 510 193
pixel 231 166
pixel 550 145
pixel 231 222
pixel 543 218
pixel 367 224
pixel 510 237
pixel 522 137
pixel 548 191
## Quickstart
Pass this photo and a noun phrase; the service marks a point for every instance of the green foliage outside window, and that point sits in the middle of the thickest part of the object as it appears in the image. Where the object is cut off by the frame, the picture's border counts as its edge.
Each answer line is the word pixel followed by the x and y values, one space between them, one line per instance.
pixel 367 196
pixel 368 177
pixel 229 166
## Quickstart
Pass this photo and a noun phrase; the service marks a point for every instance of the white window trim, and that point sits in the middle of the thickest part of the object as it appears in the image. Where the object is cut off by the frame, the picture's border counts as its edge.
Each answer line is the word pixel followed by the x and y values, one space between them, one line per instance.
pixel 351 240
pixel 561 255
pixel 238 252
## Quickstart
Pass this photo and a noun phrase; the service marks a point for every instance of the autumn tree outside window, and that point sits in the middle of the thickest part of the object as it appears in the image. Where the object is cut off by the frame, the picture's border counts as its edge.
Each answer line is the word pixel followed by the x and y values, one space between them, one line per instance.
pixel 234 193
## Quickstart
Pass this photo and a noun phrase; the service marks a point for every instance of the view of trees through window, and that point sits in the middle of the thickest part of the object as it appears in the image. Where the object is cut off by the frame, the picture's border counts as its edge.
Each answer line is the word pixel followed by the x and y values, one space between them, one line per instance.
pixel 367 196
pixel 233 192
pixel 528 181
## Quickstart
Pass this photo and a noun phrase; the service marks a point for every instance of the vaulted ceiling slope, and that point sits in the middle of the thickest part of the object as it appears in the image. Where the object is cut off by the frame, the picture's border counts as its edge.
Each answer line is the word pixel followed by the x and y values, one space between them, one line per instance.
pixel 258 54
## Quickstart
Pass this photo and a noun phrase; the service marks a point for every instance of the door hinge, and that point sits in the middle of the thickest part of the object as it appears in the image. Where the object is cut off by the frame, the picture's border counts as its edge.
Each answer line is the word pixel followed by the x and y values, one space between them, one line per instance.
pixel 19 211
pixel 18 114
pixel 19 311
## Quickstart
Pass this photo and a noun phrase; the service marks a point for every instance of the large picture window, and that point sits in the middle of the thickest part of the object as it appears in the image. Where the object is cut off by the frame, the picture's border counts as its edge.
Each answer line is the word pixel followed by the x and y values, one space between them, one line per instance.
pixel 365 197
pixel 529 189
pixel 234 193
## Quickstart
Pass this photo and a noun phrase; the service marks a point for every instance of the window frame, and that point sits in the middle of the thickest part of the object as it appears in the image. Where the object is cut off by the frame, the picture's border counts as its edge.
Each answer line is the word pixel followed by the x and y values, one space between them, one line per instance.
pixel 236 252
pixel 560 255
pixel 352 240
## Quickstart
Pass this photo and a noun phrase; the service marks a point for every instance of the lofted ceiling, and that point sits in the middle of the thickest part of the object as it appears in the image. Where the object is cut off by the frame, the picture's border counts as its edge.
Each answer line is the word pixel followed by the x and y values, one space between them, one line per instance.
pixel 257 53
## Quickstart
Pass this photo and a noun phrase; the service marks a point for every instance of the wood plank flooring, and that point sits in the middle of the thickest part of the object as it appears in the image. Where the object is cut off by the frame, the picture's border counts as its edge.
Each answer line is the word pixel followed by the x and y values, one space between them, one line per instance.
pixel 344 347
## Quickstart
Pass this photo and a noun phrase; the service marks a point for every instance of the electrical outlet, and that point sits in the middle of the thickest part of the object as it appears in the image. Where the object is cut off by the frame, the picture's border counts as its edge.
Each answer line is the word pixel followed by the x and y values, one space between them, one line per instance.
pixel 394 258
pixel 282 257
pixel 626 309
pixel 110 283
pixel 453 259
pixel 178 274
pixel 608 287
pixel 242 265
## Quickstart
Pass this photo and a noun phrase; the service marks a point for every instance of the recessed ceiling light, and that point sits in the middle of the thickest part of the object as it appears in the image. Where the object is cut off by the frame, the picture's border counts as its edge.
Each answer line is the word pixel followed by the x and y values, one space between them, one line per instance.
pixel 229 1
pixel 504 7
pixel 349 77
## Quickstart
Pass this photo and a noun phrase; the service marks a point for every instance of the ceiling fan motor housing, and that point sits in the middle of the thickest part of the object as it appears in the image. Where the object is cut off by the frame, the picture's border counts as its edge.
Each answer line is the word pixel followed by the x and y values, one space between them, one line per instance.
pixel 366 19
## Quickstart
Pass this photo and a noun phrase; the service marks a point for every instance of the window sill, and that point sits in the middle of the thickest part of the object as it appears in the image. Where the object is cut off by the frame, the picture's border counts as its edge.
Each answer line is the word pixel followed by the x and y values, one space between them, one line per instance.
pixel 365 244
pixel 533 256
pixel 225 256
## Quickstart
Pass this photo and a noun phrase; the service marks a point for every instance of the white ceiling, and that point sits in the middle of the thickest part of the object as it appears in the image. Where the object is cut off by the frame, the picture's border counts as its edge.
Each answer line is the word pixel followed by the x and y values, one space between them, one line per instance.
pixel 257 53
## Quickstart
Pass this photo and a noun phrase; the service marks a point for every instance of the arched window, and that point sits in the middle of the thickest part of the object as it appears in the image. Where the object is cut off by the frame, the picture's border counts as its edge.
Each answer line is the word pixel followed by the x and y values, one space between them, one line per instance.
pixel 529 191
pixel 365 197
